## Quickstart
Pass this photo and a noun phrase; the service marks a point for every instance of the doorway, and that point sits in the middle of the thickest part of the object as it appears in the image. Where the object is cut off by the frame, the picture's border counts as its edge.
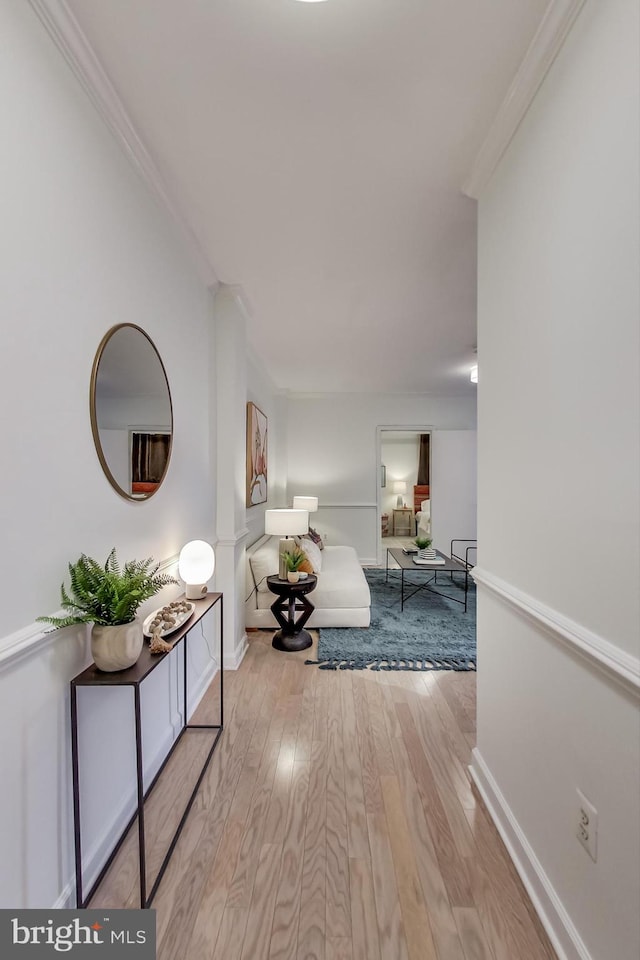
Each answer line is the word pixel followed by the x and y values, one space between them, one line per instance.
pixel 404 472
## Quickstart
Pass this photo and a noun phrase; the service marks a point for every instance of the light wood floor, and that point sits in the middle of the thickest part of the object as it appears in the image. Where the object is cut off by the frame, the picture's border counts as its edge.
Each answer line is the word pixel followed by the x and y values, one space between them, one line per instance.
pixel 336 822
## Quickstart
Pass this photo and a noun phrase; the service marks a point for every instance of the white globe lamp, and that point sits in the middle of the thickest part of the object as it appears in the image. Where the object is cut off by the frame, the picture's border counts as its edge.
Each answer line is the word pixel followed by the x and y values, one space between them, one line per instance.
pixel 196 564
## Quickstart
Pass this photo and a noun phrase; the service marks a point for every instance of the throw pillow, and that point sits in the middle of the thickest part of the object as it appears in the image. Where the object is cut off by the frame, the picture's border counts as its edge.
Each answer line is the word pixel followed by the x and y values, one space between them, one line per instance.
pixel 313 553
pixel 315 536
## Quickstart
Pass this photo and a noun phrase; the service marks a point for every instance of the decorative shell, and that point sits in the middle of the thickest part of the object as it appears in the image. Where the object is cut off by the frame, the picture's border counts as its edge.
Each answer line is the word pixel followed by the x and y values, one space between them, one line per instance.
pixel 158 645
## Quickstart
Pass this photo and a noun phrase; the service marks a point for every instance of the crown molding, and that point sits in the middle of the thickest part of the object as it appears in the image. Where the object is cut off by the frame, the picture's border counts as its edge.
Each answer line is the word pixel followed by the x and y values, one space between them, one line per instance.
pixel 70 39
pixel 543 49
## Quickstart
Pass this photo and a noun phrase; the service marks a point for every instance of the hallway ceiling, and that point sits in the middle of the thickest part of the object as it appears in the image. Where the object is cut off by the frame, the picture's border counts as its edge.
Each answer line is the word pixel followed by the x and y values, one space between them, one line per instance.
pixel 317 152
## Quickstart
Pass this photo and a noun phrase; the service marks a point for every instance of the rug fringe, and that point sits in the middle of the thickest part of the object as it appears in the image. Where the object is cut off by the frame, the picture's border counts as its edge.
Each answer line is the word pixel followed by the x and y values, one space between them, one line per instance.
pixel 435 663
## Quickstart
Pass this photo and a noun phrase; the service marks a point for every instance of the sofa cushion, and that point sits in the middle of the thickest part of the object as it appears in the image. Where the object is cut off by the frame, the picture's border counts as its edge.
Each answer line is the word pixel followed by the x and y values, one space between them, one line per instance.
pixel 264 562
pixel 342 582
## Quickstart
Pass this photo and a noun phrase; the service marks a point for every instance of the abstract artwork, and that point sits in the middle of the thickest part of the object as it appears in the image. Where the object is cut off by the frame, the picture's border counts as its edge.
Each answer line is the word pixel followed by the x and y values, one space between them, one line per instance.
pixel 256 455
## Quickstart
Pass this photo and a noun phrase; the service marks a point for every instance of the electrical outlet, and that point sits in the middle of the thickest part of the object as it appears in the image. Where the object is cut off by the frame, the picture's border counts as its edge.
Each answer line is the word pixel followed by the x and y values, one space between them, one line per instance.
pixel 587 825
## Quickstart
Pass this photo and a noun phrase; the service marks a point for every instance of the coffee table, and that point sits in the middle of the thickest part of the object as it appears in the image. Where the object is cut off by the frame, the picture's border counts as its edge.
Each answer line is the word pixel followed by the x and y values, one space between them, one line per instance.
pixel 405 562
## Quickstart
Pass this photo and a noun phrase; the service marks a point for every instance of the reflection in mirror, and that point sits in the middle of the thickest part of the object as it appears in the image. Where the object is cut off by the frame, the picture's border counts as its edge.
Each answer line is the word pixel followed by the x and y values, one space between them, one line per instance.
pixel 131 415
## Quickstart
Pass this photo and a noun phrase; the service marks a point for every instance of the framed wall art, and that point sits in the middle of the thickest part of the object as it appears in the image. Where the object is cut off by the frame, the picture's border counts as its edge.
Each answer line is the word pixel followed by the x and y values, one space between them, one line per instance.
pixel 256 455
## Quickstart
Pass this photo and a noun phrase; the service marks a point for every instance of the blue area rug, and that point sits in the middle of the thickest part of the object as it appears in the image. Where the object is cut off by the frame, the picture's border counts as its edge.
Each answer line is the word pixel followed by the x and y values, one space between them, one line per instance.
pixel 431 633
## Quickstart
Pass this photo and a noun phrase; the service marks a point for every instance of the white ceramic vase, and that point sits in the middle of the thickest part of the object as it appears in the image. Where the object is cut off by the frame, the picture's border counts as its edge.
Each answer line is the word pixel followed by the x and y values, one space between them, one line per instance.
pixel 426 553
pixel 116 647
pixel 293 576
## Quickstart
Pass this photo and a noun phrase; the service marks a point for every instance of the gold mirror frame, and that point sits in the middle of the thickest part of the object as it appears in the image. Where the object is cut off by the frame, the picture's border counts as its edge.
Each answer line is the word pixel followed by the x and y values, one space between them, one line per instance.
pixel 140 497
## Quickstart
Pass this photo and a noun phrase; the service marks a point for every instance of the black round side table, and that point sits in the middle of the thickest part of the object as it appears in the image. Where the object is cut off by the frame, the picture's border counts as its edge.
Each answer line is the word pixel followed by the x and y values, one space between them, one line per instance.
pixel 291 598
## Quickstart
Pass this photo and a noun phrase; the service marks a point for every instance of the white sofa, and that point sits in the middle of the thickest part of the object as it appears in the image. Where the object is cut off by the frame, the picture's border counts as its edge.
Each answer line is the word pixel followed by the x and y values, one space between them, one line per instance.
pixel 341 598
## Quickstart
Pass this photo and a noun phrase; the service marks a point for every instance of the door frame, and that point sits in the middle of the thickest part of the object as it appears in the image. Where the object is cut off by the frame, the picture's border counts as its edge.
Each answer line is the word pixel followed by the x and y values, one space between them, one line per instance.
pixel 380 430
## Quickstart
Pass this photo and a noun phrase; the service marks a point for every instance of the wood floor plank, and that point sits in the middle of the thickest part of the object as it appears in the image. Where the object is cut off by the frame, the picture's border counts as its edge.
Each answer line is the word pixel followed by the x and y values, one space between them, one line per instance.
pixel 357 835
pixel 339 948
pixel 364 921
pixel 443 925
pixel 453 790
pixel 278 801
pixel 393 945
pixel 208 918
pixel 472 934
pixel 260 915
pixel 338 914
pixel 384 755
pixel 247 862
pixel 449 743
pixel 368 761
pixel 452 865
pixel 321 705
pixel 312 921
pixel 507 886
pixel 228 946
pixel 284 931
pixel 305 725
pixel 414 912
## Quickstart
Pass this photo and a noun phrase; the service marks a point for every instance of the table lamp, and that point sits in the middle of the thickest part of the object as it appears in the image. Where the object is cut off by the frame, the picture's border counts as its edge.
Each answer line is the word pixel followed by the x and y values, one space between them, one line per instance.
pixel 285 524
pixel 196 564
pixel 305 503
pixel 400 487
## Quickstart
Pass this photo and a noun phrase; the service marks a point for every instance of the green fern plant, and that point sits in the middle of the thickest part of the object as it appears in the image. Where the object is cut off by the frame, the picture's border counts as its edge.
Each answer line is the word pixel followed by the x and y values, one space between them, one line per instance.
pixel 108 594
pixel 423 542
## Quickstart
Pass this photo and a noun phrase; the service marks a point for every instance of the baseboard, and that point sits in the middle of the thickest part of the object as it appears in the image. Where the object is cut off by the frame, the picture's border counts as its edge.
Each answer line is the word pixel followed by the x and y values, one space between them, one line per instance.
pixel 233 661
pixel 556 921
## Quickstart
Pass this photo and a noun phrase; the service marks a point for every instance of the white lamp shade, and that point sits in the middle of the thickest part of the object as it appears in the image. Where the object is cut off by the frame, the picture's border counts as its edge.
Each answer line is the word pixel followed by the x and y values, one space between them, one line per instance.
pixel 305 503
pixel 196 564
pixel 286 523
pixel 399 486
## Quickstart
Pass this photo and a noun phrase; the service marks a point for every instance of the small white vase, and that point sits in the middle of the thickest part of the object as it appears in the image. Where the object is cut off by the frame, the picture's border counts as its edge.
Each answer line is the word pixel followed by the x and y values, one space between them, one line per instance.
pixel 426 553
pixel 116 647
pixel 293 576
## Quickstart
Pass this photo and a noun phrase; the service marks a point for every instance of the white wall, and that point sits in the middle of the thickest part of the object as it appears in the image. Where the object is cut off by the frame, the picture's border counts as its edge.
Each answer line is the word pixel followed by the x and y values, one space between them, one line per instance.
pixel 332 453
pixel 558 614
pixel 82 246
pixel 453 489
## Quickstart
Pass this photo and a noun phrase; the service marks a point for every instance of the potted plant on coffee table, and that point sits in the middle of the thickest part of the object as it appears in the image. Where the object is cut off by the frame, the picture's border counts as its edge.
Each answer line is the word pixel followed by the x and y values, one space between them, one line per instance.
pixel 425 550
pixel 108 597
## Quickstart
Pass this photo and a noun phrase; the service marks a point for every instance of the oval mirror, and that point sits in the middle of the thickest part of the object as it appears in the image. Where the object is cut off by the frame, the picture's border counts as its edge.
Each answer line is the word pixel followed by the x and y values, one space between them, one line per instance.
pixel 131 413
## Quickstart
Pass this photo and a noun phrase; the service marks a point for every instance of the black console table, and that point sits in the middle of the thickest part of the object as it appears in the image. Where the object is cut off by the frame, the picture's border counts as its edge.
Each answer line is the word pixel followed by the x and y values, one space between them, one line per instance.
pixel 134 677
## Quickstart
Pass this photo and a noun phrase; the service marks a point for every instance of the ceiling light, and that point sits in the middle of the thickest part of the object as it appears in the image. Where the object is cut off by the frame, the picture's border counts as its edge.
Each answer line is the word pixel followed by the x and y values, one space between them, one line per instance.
pixel 474 373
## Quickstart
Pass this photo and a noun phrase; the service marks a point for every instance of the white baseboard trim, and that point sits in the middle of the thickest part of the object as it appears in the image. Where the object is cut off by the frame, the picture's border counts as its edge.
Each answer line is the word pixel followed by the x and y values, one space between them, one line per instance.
pixel 233 660
pixel 554 918
pixel 616 663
